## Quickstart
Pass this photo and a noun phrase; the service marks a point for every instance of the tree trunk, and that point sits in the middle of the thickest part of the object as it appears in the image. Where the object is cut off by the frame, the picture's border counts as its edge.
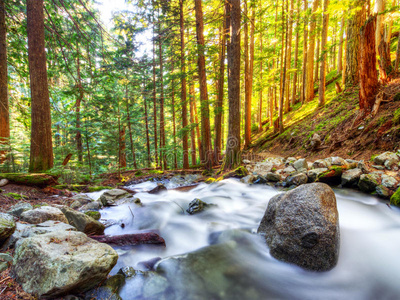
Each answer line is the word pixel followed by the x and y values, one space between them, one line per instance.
pixel 205 113
pixel 78 136
pixel 284 64
pixel 368 72
pixel 260 102
pixel 353 45
pixel 289 56
pixel 247 96
pixel 154 97
pixel 378 9
pixel 128 119
pixel 232 157
pixel 220 95
pixel 196 119
pixel 122 147
pixel 385 63
pixel 296 56
pixel 192 132
pixel 310 54
pixel 396 64
pixel 251 58
pixel 4 110
pixel 304 75
pixel 324 50
pixel 183 90
pixel 173 116
pixel 163 156
pixel 147 131
pixel 41 154
pixel 340 51
pixel 317 55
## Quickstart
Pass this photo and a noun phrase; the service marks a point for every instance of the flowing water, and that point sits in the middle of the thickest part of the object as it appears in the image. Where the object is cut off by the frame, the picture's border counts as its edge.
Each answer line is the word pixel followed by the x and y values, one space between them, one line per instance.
pixel 217 255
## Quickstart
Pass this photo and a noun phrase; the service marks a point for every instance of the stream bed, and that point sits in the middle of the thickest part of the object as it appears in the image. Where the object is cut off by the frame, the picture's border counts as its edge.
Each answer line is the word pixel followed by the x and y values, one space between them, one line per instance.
pixel 217 254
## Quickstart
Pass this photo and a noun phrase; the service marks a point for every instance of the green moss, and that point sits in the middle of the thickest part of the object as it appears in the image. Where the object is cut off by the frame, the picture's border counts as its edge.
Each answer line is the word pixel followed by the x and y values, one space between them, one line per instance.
pixel 16 196
pixel 71 187
pixel 273 169
pixel 139 173
pixel 238 172
pixel 29 179
pixel 333 171
pixel 210 180
pixel 207 173
pixel 156 172
pixel 92 189
pixel 93 214
pixel 396 115
pixel 395 199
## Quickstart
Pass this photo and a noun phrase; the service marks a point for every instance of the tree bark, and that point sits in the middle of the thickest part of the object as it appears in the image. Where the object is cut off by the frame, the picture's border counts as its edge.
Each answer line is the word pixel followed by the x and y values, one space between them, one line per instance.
pixel 154 95
pixel 41 154
pixel 378 9
pixel 4 107
pixel 310 54
pixel 163 156
pixel 396 64
pixel 232 157
pixel 284 64
pixel 192 132
pixel 289 56
pixel 340 51
pixel 122 147
pixel 147 130
pixel 324 38
pixel 174 116
pixel 353 45
pixel 368 72
pixel 296 56
pixel 305 38
pixel 128 120
pixel 183 90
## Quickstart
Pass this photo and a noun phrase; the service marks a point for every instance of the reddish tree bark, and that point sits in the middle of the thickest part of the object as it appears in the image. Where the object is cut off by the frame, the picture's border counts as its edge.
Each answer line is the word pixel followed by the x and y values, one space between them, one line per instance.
pixel 368 72
pixel 41 154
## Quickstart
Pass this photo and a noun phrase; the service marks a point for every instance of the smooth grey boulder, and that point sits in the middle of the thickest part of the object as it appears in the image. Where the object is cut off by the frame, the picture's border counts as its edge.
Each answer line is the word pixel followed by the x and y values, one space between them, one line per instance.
pixel 300 164
pixel 313 173
pixel 111 196
pixel 83 222
pixel 368 183
pixel 351 177
pixel 7 227
pixel 320 163
pixel 61 263
pixel 17 209
pixel 42 214
pixel 91 206
pixel 3 182
pixel 382 158
pixel 297 179
pixel 302 227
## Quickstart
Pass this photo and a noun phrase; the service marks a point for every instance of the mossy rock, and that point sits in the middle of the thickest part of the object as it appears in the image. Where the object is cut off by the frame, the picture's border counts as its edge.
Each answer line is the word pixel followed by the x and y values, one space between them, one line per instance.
pixel 156 172
pixel 93 214
pixel 92 189
pixel 332 176
pixel 237 173
pixel 210 180
pixel 40 180
pixel 16 196
pixel 395 199
pixel 71 187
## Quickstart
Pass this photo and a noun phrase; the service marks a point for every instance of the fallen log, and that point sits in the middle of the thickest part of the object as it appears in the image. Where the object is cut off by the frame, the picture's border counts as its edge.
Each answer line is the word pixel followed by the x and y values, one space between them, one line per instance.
pixel 39 180
pixel 131 239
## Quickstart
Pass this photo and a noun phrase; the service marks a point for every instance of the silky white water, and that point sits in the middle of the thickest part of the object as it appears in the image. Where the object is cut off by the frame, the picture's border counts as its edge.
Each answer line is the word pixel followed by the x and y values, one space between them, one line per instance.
pixel 368 267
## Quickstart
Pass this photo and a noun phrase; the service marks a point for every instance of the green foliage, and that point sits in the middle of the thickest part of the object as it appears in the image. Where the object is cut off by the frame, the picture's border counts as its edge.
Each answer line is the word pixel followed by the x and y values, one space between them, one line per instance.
pixel 395 199
pixel 16 196
pixel 396 117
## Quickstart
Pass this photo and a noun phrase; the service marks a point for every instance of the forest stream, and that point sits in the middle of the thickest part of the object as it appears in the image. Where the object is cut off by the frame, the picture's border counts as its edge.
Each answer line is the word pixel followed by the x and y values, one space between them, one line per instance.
pixel 216 254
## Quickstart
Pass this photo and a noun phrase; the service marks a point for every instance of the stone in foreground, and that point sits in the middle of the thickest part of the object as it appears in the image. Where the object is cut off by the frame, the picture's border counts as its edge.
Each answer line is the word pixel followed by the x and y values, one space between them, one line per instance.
pixel 7 227
pixel 302 227
pixel 62 263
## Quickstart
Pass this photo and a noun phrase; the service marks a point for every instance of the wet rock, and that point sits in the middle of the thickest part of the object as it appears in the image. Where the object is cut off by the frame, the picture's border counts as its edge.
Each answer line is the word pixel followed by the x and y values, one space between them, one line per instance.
pixel 62 263
pixel 42 214
pixel 315 141
pixel 91 206
pixel 128 272
pixel 108 290
pixel 378 167
pixel 154 285
pixel 3 182
pixel 395 199
pixel 197 206
pixel 382 158
pixel 249 179
pixel 83 198
pixel 17 209
pixel 148 265
pixel 129 200
pixel 368 183
pixel 273 177
pixel 320 163
pixel 158 189
pixel 361 165
pixel 111 196
pixel 7 227
pixel 332 176
pixel 131 239
pixel 300 164
pixel 314 173
pixel 351 177
pixel 260 180
pixel 389 181
pixel 93 214
pixel 83 222
pixel 383 192
pixel 237 173
pixel 302 227
pixel 297 179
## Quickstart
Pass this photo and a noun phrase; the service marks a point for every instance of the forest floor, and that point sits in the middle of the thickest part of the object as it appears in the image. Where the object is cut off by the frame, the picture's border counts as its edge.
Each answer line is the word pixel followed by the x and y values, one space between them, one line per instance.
pixel 337 125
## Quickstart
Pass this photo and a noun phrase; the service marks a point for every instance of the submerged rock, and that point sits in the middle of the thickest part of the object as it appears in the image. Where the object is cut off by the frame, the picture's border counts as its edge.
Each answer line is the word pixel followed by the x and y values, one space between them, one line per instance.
pixel 42 214
pixel 108 290
pixel 158 189
pixel 61 263
pixel 197 206
pixel 302 227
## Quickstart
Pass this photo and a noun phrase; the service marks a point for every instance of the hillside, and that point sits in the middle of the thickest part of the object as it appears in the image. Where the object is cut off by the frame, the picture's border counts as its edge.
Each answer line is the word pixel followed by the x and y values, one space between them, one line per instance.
pixel 335 124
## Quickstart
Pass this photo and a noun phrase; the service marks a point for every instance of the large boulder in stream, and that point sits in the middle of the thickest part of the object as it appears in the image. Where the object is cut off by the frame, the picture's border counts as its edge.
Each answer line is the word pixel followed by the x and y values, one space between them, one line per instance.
pixel 111 196
pixel 61 263
pixel 302 227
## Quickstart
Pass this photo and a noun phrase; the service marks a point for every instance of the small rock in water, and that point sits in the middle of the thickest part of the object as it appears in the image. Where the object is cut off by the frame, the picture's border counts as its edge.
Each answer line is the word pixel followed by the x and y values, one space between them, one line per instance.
pixel 108 290
pixel 111 196
pixel 158 189
pixel 197 206
pixel 302 227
